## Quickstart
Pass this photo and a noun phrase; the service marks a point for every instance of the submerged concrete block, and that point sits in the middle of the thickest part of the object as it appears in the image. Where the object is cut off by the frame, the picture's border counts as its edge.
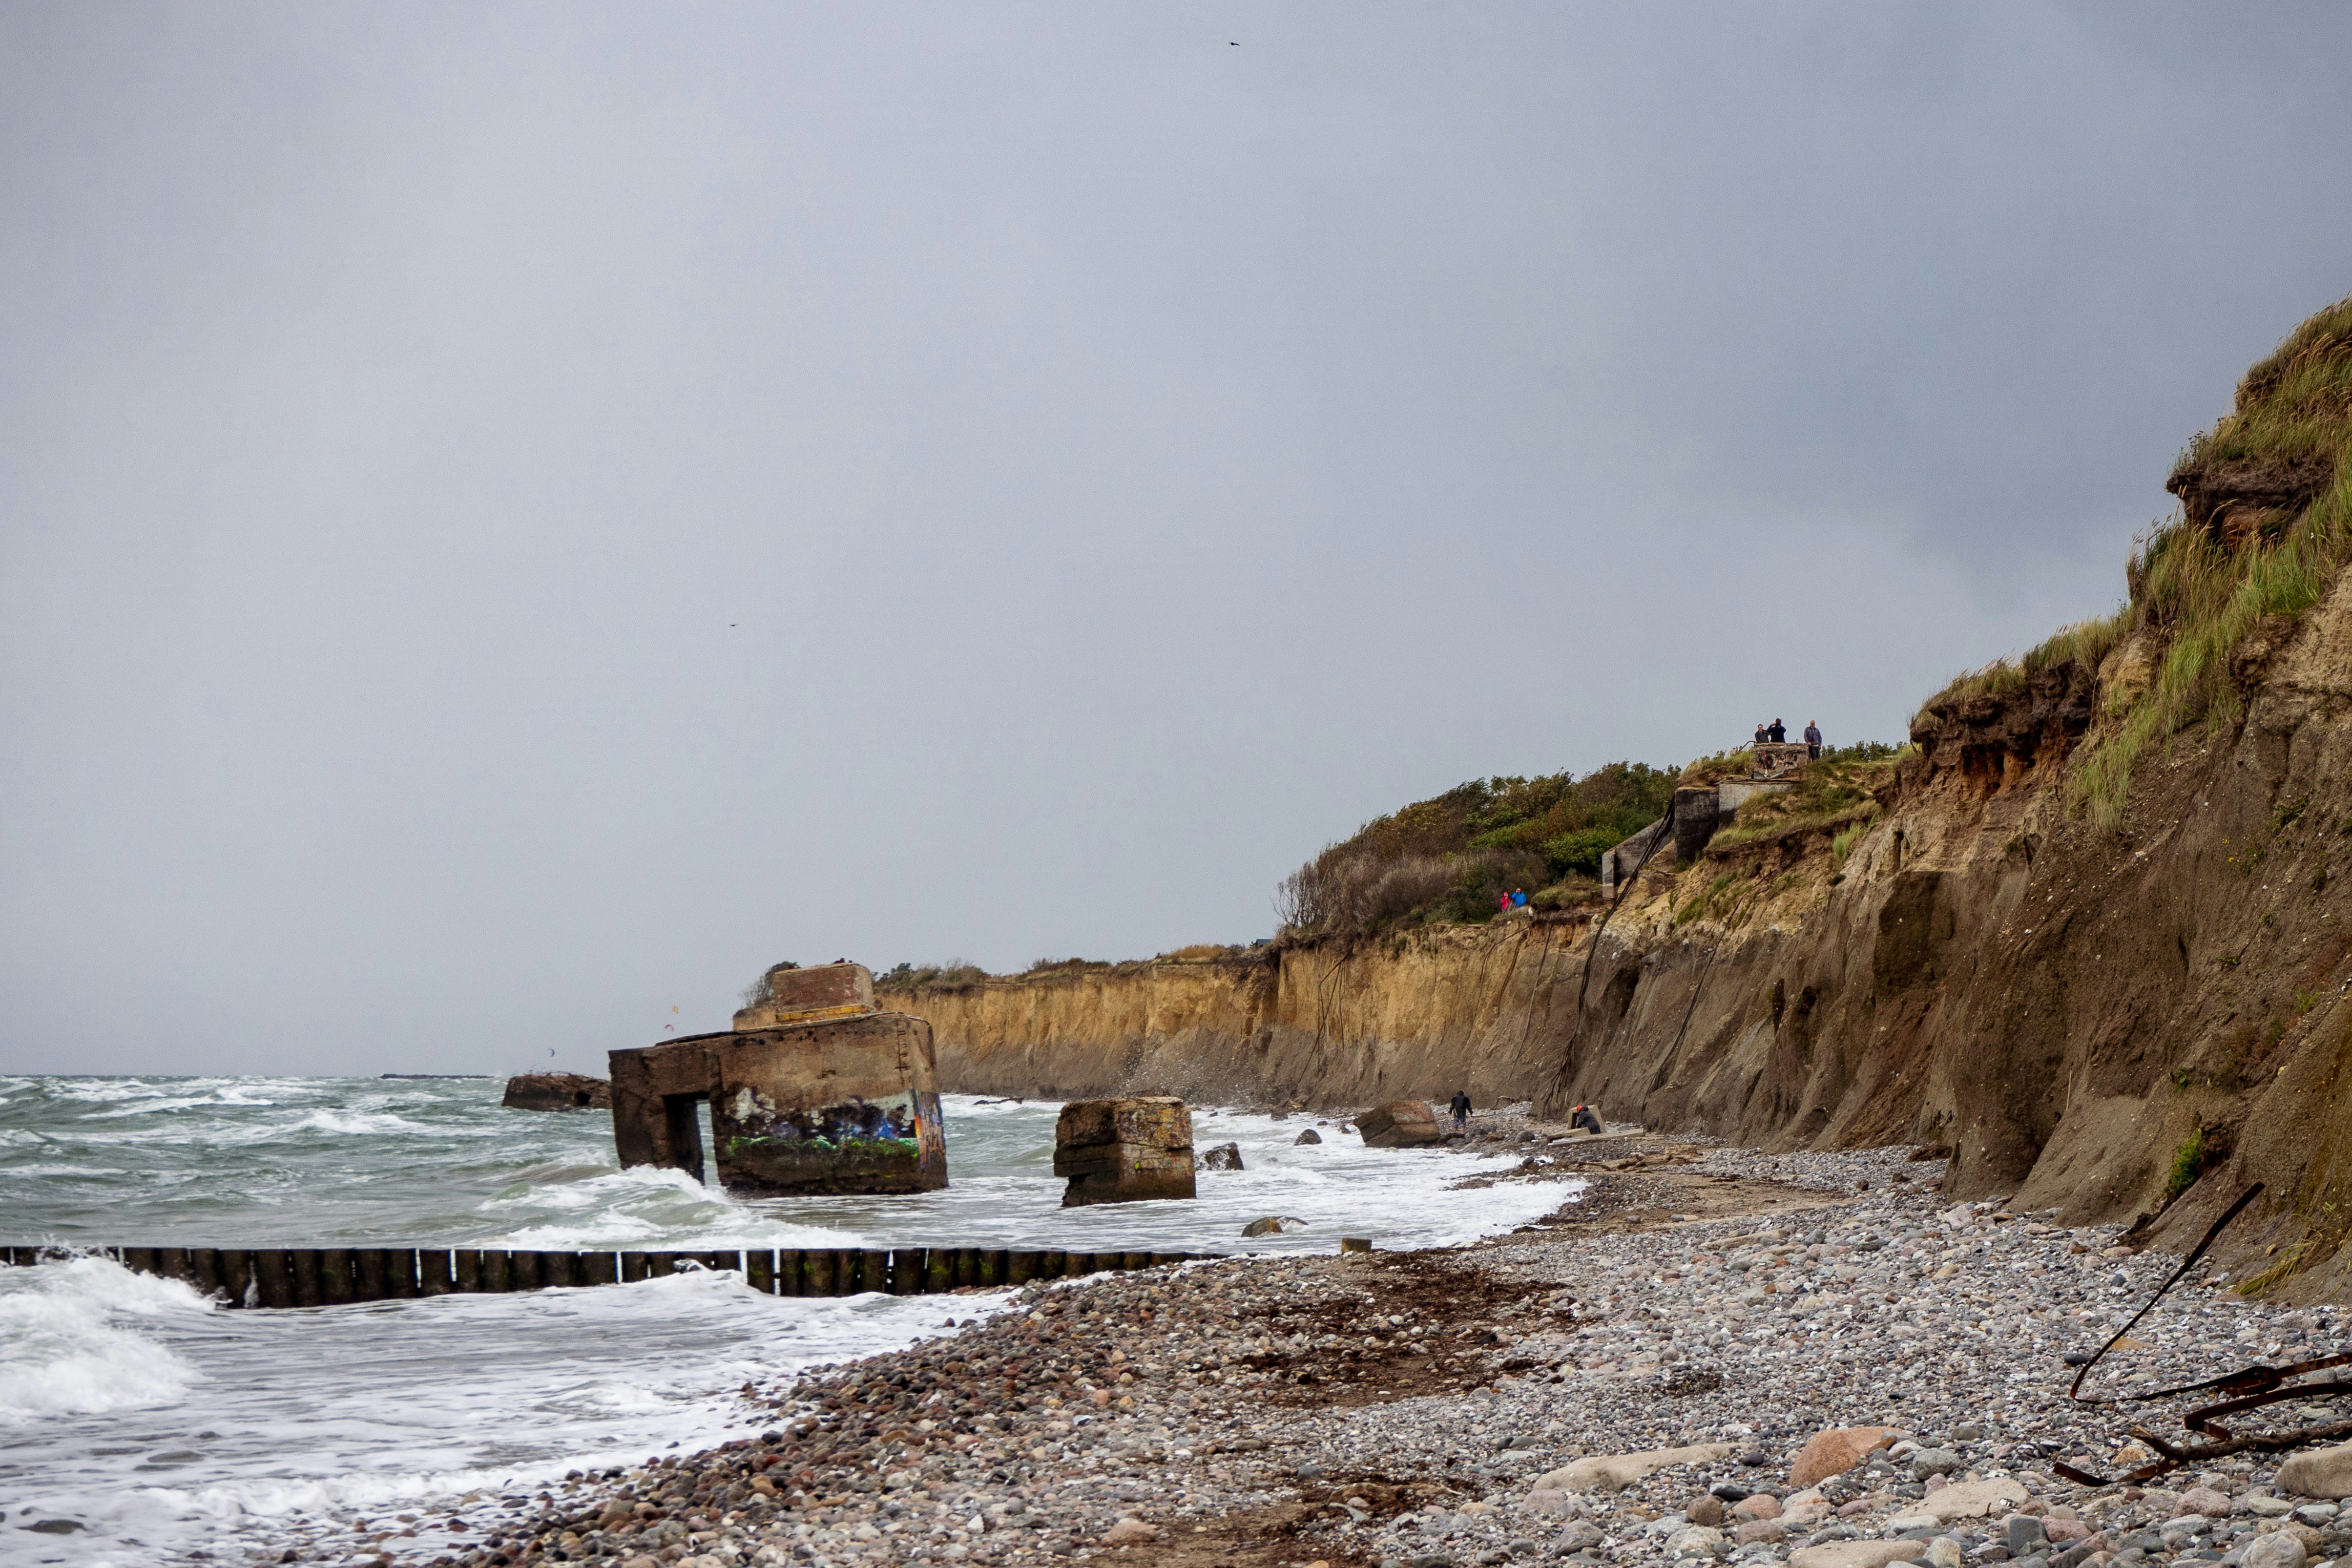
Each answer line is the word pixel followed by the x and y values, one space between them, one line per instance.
pixel 557 1091
pixel 1399 1124
pixel 836 1103
pixel 1122 1151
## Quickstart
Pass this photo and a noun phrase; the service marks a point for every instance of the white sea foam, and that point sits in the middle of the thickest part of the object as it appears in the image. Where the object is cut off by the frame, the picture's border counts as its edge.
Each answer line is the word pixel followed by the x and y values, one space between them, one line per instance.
pixel 66 1348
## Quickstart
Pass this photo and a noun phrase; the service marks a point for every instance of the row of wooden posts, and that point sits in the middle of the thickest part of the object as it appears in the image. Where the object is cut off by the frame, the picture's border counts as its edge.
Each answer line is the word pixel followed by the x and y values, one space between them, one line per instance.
pixel 332 1276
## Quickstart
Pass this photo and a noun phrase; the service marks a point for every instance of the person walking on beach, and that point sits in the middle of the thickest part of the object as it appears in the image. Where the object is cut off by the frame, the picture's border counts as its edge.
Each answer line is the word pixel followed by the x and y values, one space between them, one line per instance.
pixel 1460 1106
pixel 1812 737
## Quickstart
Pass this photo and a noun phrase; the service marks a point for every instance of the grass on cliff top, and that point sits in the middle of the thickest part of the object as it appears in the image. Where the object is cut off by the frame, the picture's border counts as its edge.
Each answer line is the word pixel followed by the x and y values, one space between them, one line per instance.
pixel 1445 859
pixel 2195 599
pixel 1833 792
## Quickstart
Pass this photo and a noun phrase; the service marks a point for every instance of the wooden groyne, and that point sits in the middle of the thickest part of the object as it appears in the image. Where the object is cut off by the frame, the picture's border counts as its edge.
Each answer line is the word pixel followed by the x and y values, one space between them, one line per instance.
pixel 334 1276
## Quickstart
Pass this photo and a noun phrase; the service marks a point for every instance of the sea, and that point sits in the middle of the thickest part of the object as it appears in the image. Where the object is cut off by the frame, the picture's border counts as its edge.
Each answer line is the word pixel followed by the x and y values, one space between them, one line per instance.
pixel 142 1423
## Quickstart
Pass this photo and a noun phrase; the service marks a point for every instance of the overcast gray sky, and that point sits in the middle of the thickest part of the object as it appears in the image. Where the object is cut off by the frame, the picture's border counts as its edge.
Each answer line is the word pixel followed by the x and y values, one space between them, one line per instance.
pixel 517 516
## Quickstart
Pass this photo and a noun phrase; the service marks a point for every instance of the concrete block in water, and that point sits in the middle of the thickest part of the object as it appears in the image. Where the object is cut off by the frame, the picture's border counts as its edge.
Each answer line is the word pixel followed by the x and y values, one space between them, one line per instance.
pixel 1122 1151
pixel 557 1091
pixel 840 1098
pixel 1399 1124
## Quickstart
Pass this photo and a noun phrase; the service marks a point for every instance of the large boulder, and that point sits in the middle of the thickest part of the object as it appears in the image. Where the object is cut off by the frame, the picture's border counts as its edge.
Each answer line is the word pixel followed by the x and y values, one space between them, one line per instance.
pixel 1836 1450
pixel 1399 1124
pixel 1224 1158
pixel 557 1091
pixel 1615 1472
pixel 1125 1150
pixel 2318 1472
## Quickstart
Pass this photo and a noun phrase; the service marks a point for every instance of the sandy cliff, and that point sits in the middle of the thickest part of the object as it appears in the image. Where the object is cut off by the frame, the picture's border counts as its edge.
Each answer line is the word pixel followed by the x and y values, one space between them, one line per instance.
pixel 2093 932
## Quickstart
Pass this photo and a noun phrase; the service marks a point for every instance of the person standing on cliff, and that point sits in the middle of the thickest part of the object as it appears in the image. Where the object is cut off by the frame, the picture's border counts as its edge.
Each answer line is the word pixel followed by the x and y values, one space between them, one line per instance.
pixel 1760 734
pixel 1460 1106
pixel 1812 737
pixel 1777 733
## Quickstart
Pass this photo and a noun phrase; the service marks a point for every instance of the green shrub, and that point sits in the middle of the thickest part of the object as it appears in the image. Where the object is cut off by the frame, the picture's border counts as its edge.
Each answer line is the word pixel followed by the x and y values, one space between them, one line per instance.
pixel 1447 858
pixel 2188 1164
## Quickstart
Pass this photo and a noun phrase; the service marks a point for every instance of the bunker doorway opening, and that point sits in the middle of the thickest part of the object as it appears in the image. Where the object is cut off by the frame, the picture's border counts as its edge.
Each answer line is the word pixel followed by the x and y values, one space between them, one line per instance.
pixel 691 1139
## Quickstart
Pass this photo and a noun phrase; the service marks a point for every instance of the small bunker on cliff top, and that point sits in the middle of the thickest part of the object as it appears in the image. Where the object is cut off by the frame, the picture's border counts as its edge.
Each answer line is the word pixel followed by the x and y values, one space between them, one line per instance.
pixel 814 1090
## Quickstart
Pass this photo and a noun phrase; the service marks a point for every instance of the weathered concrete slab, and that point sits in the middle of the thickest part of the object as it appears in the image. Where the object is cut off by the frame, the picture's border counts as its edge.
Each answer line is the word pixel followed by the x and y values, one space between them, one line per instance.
pixel 789 993
pixel 836 1103
pixel 1399 1124
pixel 1124 1151
pixel 557 1091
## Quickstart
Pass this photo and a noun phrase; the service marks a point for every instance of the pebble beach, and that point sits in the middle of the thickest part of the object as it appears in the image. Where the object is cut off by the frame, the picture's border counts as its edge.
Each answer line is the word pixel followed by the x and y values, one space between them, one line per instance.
pixel 1705 1355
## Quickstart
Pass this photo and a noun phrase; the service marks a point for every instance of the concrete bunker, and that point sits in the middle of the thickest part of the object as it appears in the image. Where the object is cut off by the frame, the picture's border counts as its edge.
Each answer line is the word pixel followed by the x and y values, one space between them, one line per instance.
pixel 1125 1150
pixel 814 1091
pixel 556 1092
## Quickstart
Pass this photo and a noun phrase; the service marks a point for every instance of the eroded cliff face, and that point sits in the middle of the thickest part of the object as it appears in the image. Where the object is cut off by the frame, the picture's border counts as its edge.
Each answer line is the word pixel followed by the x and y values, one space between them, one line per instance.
pixel 1334 1025
pixel 2066 1006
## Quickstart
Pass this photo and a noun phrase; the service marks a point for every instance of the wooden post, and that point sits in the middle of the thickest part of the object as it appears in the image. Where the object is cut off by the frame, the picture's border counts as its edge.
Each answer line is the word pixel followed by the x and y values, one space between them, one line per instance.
pixel 307 1290
pixel 1136 1261
pixel 495 1273
pixel 334 1276
pixel 400 1273
pixel 437 1272
pixel 939 1268
pixel 991 1270
pixel 465 1271
pixel 205 1271
pixel 1053 1265
pixel 876 1274
pixel 172 1263
pixel 1020 1267
pixel 907 1266
pixel 596 1268
pixel 237 1275
pixel 760 1271
pixel 273 1277
pixel 660 1264
pixel 523 1270
pixel 788 1271
pixel 1159 1259
pixel 818 1274
pixel 554 1270
pixel 139 1259
pixel 634 1266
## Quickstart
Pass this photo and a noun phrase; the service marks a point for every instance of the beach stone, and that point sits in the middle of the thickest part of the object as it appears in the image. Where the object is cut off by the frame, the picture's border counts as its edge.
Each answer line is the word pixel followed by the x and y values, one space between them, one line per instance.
pixel 1273 1225
pixel 1837 1449
pixel 1615 1472
pixel 2022 1534
pixel 1545 1500
pixel 1127 1532
pixel 2202 1500
pixel 1754 1529
pixel 1308 1136
pixel 2318 1472
pixel 1704 1511
pixel 2264 1507
pixel 1933 1462
pixel 1852 1555
pixel 1973 1499
pixel 1943 1552
pixel 1577 1536
pixel 1763 1505
pixel 1701 1541
pixel 2065 1531
pixel 2279 1548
